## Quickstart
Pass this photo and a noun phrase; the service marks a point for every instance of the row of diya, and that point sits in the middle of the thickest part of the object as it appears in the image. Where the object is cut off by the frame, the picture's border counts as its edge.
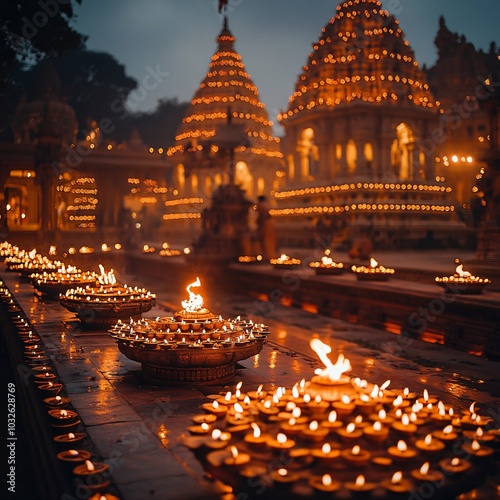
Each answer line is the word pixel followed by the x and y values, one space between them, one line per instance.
pixel 172 332
pixel 461 281
pixel 92 476
pixel 334 432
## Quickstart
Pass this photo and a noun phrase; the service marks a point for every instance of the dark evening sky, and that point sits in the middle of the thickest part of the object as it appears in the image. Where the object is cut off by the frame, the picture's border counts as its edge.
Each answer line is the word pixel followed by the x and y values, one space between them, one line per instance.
pixel 273 37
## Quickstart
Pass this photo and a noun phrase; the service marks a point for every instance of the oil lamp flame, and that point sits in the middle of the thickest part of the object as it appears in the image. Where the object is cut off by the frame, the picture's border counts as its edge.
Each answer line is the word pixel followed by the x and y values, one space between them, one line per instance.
pixel 396 478
pixel 428 439
pixel 455 461
pixel 256 430
pixel 281 438
pixel 424 469
pixel 326 448
pixel 475 445
pixel 313 426
pixel 234 451
pixel 448 429
pixel 402 445
pixel 355 450
pixel 360 481
pixel 460 271
pixel 106 278
pixel 216 434
pixel 71 436
pixel 326 480
pixel 282 472
pixel 331 371
pixel 195 302
pixel 73 453
pixel 373 262
pixel 90 465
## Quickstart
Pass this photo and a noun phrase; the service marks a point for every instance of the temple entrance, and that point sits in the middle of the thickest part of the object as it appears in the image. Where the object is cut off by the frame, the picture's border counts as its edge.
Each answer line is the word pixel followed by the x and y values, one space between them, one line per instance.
pixel 308 154
pixel 402 151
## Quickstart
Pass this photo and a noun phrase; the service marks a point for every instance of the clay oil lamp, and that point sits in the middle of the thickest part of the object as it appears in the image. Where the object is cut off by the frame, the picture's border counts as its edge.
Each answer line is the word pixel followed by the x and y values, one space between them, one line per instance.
pixel 280 443
pixel 477 451
pixel 69 440
pixel 377 433
pixel 426 399
pixel 314 432
pixel 199 429
pixel 373 272
pixel 215 408
pixel 331 423
pixel 237 415
pixel 349 434
pixel 237 458
pixel 360 488
pixel 324 486
pixel 463 281
pixel 45 377
pixel 256 440
pixel 401 452
pixel 218 440
pixel 479 435
pixel 317 408
pixel 382 417
pixel 207 418
pixel 57 402
pixel 258 394
pixel 344 407
pixel 296 424
pixel 454 466
pixel 446 435
pixel 365 404
pixel 426 475
pixel 356 456
pixel 267 409
pixel 441 415
pixel 326 455
pixel 71 458
pixel 63 419
pixel 404 426
pixel 51 388
pixel 430 446
pixel 283 478
pixel 94 475
pixel 250 259
pixel 398 486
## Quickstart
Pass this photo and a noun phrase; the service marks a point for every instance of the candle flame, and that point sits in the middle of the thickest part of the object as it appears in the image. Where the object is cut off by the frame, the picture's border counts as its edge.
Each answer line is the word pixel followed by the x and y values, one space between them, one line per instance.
pixel 350 428
pixel 405 420
pixel 228 396
pixel 475 445
pixel 448 429
pixel 479 432
pixel 385 385
pixel 238 408
pixel 73 453
pixel 426 395
pixel 471 408
pixel 296 412
pixel 205 426
pixel 428 439
pixel 345 399
pixel 216 434
pixel 195 302
pixel 71 436
pixel 331 371
pixel 326 448
pixel 281 438
pixel 424 469
pixel 90 465
pixel 64 413
pixel 215 405
pixel 398 401
pixel 373 262
pixel 332 416
pixel 295 391
pixel 382 414
pixel 455 461
pixel 402 446
pixel 326 480
pixel 406 391
pixel 256 430
pixel 360 481
pixel 282 472
pixel 313 426
pixel 234 451
pixel 396 478
pixel 355 450
pixel 377 426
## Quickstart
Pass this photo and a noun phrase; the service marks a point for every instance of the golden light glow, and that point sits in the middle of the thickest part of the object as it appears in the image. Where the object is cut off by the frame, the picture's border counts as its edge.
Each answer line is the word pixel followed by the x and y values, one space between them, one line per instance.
pixel 331 371
pixel 195 301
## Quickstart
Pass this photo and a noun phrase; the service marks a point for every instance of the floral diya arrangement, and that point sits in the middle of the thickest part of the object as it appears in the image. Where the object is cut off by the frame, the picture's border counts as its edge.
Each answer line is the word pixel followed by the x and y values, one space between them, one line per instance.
pixel 107 301
pixel 462 282
pixel 327 265
pixel 342 437
pixel 285 262
pixel 193 345
pixel 373 272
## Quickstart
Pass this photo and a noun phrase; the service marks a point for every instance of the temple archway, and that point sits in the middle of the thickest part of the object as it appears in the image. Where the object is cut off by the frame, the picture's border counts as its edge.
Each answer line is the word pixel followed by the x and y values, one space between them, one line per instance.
pixel 350 155
pixel 402 149
pixel 308 154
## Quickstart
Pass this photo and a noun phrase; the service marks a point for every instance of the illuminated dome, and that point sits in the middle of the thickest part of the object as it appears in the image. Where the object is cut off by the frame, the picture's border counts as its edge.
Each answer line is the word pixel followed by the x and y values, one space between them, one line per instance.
pixel 361 132
pixel 361 55
pixel 228 88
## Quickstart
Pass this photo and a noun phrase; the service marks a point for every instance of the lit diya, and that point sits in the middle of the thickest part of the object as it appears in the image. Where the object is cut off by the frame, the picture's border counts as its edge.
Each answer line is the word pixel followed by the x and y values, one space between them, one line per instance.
pixel 285 262
pixel 327 265
pixel 373 272
pixel 250 259
pixel 192 346
pixel 53 283
pixel 462 282
pixel 94 475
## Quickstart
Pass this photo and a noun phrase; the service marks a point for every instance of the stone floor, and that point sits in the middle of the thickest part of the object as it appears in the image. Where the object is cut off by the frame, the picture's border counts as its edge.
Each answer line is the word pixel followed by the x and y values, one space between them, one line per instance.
pixel 139 428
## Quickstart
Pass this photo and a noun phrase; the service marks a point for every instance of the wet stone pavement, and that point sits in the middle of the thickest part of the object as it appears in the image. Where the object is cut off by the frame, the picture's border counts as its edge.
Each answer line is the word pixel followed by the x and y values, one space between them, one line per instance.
pixel 139 428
